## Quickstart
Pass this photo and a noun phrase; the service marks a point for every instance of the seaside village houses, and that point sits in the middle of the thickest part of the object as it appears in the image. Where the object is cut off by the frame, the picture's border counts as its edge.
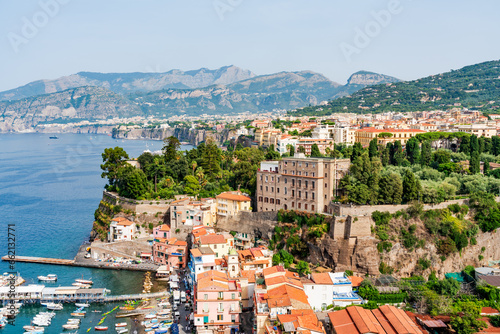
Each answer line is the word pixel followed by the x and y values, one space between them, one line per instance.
pixel 121 229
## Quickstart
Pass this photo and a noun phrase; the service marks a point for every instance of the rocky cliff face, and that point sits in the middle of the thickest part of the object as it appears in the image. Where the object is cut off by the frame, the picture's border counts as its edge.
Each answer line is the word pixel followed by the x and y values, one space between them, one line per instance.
pixel 192 136
pixel 364 78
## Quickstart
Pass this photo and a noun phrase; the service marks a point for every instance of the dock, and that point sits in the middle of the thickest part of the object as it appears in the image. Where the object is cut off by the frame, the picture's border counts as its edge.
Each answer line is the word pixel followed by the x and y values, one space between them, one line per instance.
pixel 78 262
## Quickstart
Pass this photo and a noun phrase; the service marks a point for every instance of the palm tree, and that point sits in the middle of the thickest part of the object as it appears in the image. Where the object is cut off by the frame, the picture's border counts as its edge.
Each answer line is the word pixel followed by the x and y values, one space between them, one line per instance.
pixel 194 164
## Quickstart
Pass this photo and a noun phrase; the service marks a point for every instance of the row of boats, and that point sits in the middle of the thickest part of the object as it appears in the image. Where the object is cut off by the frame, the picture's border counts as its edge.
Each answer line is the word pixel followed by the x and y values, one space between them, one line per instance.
pixel 81 283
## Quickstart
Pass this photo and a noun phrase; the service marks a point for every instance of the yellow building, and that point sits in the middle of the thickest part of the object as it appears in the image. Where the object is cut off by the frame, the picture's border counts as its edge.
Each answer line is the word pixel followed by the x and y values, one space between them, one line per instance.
pixel 267 137
pixel 229 203
pixel 365 135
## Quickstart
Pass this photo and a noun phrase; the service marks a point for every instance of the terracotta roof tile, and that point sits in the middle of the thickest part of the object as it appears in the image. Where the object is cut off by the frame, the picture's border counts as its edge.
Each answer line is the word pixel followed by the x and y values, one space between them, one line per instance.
pixel 323 278
pixel 212 239
pixel 233 197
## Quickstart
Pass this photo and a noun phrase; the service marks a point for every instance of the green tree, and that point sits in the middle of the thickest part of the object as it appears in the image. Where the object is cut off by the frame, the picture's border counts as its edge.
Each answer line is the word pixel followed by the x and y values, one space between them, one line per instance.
pixel 291 149
pixel 272 154
pixel 486 168
pixel 386 158
pixel 170 147
pixel 114 159
pixel 411 186
pixel 239 147
pixel 211 159
pixel 397 155
pixel 286 258
pixel 465 145
pixel 390 189
pixel 373 148
pixel 474 144
pixel 357 149
pixel 474 163
pixel 426 155
pixel 302 268
pixel 132 183
pixel 315 153
pixel 301 149
pixel 468 318
pixel 495 145
pixel 192 186
pixel 413 150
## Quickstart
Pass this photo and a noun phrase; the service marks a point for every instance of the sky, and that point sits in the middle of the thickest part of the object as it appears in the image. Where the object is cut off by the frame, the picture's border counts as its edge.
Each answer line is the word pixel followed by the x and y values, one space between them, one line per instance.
pixel 408 39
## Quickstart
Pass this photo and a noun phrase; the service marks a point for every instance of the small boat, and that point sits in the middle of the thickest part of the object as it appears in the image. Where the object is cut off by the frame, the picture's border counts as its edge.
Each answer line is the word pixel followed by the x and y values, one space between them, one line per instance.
pixel 84 281
pixel 101 328
pixel 121 330
pixel 48 278
pixel 121 324
pixel 54 306
pixel 53 137
pixel 33 328
pixel 82 304
pixel 71 326
pixel 78 314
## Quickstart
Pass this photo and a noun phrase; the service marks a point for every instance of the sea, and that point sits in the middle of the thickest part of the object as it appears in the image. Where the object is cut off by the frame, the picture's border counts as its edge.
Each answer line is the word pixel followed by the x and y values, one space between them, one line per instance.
pixel 49 190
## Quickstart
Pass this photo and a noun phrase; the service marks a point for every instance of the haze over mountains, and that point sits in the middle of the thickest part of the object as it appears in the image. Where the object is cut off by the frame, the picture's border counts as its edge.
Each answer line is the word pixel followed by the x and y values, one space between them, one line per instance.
pixel 228 90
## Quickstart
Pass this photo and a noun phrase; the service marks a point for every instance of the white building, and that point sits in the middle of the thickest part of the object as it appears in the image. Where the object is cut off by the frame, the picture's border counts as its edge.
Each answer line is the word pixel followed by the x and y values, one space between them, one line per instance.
pixel 341 135
pixel 121 229
pixel 342 290
pixel 319 290
pixel 284 142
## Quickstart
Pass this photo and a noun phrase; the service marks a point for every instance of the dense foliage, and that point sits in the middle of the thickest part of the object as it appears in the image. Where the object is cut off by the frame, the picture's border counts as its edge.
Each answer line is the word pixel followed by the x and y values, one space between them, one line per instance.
pixel 204 171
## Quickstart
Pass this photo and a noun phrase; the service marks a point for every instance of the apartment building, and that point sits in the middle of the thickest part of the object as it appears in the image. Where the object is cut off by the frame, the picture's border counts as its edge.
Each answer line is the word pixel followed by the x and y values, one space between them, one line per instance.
pixel 476 129
pixel 190 212
pixel 307 144
pixel 121 229
pixel 339 134
pixel 170 252
pixel 267 137
pixel 229 203
pixel 217 304
pixel 304 184
pixel 365 135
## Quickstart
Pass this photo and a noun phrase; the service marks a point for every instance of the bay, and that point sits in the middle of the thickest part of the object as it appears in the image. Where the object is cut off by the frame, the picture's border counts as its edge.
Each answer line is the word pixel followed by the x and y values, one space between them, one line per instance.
pixel 50 188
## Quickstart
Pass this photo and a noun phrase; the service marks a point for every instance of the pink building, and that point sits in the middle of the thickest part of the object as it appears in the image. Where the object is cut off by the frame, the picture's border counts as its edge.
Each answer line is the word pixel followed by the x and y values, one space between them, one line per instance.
pixel 217 303
pixel 170 252
pixel 161 231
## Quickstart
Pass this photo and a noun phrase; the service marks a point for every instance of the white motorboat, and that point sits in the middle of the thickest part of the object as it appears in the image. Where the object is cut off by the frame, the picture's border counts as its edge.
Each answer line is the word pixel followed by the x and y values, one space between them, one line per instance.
pixel 84 281
pixel 81 285
pixel 54 306
pixel 48 278
pixel 71 326
pixel 121 324
pixel 121 330
pixel 82 304
pixel 33 328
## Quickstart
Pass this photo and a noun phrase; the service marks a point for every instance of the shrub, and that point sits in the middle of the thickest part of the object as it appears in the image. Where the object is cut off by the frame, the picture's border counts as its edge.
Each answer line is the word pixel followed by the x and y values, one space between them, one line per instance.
pixel 384 246
pixel 177 230
pixel 423 263
pixel 381 218
pixel 385 269
pixel 480 257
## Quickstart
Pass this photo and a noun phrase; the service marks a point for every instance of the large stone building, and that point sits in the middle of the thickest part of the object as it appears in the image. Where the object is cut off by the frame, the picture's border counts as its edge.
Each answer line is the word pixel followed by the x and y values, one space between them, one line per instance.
pixel 304 184
pixel 365 135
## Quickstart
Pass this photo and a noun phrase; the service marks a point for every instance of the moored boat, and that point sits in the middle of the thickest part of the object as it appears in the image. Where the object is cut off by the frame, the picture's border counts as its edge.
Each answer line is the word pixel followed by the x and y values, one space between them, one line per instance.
pixel 82 304
pixel 71 326
pixel 54 306
pixel 84 281
pixel 121 324
pixel 48 278
pixel 101 328
pixel 78 314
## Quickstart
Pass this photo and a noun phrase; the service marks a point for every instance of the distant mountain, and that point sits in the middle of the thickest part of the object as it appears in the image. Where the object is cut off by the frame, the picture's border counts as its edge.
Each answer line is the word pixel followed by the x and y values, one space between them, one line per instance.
pixel 124 83
pixel 132 94
pixel 474 87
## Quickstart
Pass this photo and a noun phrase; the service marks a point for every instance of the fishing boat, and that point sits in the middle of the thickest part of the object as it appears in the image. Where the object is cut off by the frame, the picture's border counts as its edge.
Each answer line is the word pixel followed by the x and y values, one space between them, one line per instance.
pixel 48 278
pixel 53 137
pixel 84 281
pixel 101 328
pixel 121 330
pixel 82 304
pixel 121 324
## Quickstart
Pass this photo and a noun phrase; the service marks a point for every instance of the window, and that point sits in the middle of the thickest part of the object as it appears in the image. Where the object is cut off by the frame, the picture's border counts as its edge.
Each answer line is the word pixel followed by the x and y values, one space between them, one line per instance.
pixel 300 183
pixel 307 164
pixel 233 296
pixel 266 200
pixel 326 185
pixel 260 187
pixel 272 178
pixel 261 177
pixel 272 189
pixel 220 316
pixel 313 184
pixel 326 166
pixel 278 201
pixel 313 174
pixel 221 295
pixel 306 183
pixel 278 190
pixel 205 296
pixel 267 188
pixel 300 193
pixel 312 194
pixel 278 180
pixel 326 174
pixel 286 191
pixel 299 205
pixel 260 198
pixel 293 182
pixel 293 204
pixel 286 181
pixel 233 318
pixel 205 307
pixel 300 164
pixel 293 164
pixel 312 207
pixel 215 246
pixel 266 178
pixel 272 200
pixel 305 206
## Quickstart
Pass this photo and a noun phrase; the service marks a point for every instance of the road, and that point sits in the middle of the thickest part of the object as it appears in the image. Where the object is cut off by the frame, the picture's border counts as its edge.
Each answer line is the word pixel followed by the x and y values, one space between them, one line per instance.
pixel 183 323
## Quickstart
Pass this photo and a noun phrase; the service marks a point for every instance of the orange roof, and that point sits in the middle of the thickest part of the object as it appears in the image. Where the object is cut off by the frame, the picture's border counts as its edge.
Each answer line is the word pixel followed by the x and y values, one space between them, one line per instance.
pixel 164 228
pixel 356 280
pixel 233 197
pixel 322 278
pixel 124 222
pixel 119 219
pixel 179 200
pixel 273 270
pixel 212 239
pixel 180 243
pixel 196 252
pixel 250 274
pixel 292 293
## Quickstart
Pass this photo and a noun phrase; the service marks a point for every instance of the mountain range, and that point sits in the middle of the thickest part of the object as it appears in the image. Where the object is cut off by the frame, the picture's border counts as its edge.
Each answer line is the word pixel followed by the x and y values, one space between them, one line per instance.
pixel 228 90
pixel 474 87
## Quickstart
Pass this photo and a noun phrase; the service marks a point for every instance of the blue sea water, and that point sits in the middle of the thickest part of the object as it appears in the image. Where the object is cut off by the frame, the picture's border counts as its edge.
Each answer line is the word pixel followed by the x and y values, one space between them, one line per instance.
pixel 50 188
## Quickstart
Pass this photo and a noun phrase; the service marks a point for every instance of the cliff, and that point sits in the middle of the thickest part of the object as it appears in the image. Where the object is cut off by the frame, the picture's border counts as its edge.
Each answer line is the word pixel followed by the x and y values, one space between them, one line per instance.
pixel 191 136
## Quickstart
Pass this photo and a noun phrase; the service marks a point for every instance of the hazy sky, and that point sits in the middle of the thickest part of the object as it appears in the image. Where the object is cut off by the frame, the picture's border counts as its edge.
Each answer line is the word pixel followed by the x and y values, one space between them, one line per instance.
pixel 46 39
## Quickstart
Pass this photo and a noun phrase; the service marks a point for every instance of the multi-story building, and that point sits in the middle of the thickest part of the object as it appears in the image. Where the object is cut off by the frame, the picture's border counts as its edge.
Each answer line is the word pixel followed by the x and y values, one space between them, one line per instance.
pixel 229 203
pixel 477 129
pixel 201 260
pixel 217 304
pixel 121 229
pixel 365 135
pixel 161 231
pixel 189 212
pixel 307 143
pixel 339 134
pixel 304 184
pixel 221 244
pixel 267 137
pixel 170 252
pixel 284 142
pixel 255 259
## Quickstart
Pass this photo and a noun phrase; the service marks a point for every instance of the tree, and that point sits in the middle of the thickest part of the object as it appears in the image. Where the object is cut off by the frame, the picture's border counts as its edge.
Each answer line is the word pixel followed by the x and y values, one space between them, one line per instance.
pixel 239 147
pixel 474 144
pixel 192 186
pixel 301 149
pixel 114 159
pixel 413 150
pixel 411 186
pixel 286 258
pixel 303 268
pixel 390 189
pixel 357 149
pixel 465 145
pixel 132 183
pixel 486 167
pixel 426 155
pixel 291 149
pixel 386 158
pixel 495 145
pixel 373 148
pixel 211 159
pixel 315 153
pixel 272 154
pixel 397 154
pixel 474 163
pixel 468 318
pixel 170 147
